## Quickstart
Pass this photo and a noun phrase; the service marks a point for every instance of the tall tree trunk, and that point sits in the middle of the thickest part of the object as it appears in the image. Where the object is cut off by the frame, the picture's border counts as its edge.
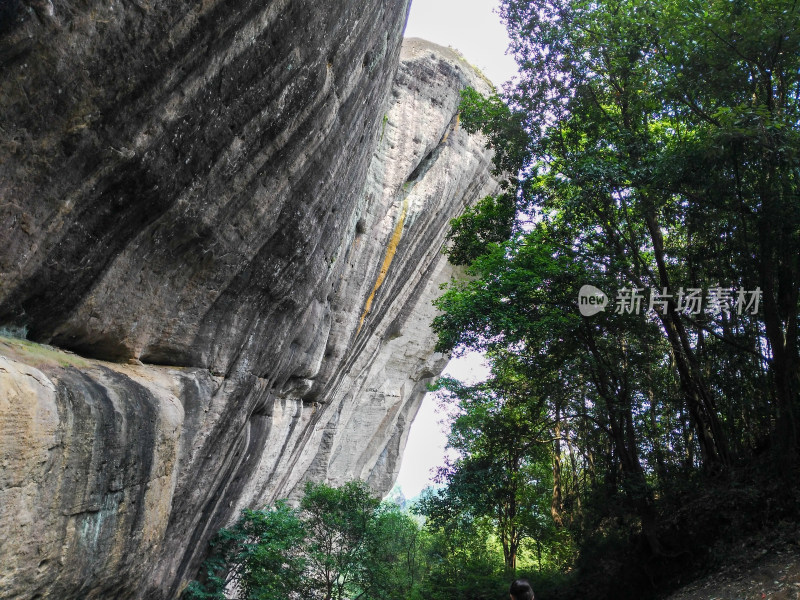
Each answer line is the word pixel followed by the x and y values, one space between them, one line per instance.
pixel 780 320
pixel 556 505
pixel 658 451
pixel 779 268
pixel 575 487
pixel 699 401
pixel 623 437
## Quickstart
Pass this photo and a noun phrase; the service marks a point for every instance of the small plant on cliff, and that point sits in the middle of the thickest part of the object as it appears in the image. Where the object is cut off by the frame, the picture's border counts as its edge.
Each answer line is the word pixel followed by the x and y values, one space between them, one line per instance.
pixel 383 129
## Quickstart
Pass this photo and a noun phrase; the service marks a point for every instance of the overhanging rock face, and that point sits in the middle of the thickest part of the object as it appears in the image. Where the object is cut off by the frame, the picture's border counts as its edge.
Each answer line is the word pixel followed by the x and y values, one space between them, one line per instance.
pixel 178 176
pixel 380 357
pixel 235 221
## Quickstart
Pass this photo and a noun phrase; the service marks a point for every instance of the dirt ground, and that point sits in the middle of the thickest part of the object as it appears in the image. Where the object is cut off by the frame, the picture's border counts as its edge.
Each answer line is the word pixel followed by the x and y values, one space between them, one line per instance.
pixel 759 569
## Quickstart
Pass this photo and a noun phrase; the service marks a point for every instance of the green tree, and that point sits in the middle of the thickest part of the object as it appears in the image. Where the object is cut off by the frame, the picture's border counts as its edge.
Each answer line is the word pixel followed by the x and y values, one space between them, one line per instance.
pixel 520 307
pixel 651 146
pixel 394 563
pixel 340 543
pixel 259 558
pixel 489 221
pixel 667 134
pixel 495 476
pixel 338 522
pixel 460 563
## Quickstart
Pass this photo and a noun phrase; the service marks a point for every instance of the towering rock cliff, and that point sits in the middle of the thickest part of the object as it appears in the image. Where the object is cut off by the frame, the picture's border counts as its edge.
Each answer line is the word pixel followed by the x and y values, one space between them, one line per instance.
pixel 233 220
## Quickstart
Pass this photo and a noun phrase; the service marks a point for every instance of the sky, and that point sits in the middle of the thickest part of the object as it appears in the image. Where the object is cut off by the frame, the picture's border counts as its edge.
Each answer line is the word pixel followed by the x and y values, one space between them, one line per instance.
pixel 474 29
pixel 470 26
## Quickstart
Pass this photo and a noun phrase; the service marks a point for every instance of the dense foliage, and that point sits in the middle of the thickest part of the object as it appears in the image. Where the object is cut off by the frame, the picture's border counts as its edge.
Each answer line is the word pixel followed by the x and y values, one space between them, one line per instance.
pixel 652 151
pixel 340 543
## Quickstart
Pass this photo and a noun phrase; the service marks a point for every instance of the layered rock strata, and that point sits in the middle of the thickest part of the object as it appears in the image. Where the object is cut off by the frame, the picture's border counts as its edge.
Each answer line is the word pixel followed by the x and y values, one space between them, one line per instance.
pixel 237 228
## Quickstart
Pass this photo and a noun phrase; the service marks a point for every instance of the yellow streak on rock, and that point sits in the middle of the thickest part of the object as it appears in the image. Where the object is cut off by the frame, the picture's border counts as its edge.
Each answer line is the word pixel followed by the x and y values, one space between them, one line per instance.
pixel 387 261
pixel 449 131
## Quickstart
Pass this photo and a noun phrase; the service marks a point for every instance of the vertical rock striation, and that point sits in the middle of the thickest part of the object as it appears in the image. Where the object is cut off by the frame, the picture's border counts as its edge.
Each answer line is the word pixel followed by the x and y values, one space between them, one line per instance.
pixel 177 174
pixel 380 356
pixel 235 220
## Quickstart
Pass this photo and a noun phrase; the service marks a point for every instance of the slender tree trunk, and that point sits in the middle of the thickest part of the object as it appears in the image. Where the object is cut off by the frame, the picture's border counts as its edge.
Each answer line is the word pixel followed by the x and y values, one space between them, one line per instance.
pixel 556 506
pixel 658 451
pixel 575 488
pixel 539 553
pixel 623 435
pixel 782 337
pixel 699 400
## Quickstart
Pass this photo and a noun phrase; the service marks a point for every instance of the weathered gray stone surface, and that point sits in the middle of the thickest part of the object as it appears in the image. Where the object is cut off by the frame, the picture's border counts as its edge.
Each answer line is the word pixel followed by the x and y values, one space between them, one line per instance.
pixel 226 196
pixel 177 176
pixel 425 170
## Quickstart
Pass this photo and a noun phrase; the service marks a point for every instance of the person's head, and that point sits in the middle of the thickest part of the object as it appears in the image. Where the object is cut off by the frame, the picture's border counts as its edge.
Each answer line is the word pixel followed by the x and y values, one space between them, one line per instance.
pixel 521 590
